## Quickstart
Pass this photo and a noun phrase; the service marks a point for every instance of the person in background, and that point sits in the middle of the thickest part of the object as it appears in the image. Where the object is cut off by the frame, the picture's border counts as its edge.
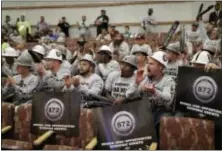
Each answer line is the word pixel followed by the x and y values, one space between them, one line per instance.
pixel 216 15
pixel 174 59
pixel 52 36
pixel 201 59
pixel 211 39
pixel 23 27
pixel 112 31
pixel 7 25
pixel 120 45
pixel 104 36
pixel 193 34
pixel 64 26
pixel 106 63
pixel 42 26
pixel 102 22
pixel 149 22
pixel 83 28
pixel 141 41
pixel 9 65
pixel 5 43
pixel 127 32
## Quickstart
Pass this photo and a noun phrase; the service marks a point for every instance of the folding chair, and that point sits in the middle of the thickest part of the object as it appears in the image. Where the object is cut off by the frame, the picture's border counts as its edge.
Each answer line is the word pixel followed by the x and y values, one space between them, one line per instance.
pixel 22 137
pixel 186 134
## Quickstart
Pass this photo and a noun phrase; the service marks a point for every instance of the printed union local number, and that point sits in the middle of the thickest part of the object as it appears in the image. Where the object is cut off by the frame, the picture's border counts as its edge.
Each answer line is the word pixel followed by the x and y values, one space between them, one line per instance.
pixel 123 123
pixel 205 89
pixel 54 109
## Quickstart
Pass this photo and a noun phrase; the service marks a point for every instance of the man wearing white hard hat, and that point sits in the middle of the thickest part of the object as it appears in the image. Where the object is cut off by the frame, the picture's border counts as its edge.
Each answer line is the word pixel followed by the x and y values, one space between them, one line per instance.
pixel 40 50
pixel 174 59
pixel 87 81
pixel 106 63
pixel 118 82
pixel 9 66
pixel 53 79
pixel 201 59
pixel 23 84
pixel 157 88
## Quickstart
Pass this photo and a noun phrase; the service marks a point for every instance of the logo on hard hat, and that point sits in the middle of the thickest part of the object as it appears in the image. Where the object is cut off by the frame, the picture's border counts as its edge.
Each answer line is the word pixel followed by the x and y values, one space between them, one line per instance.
pixel 205 89
pixel 164 58
pixel 54 109
pixel 123 123
pixel 58 54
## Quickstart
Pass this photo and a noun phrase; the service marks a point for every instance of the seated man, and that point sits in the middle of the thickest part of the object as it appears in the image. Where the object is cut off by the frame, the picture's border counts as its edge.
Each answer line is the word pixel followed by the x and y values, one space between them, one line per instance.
pixel 157 87
pixel 118 82
pixel 23 84
pixel 9 65
pixel 106 63
pixel 87 81
pixel 53 79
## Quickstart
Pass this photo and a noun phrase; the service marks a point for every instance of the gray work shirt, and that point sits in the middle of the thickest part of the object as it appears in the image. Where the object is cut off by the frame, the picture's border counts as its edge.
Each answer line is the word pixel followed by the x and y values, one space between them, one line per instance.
pixel 24 88
pixel 164 91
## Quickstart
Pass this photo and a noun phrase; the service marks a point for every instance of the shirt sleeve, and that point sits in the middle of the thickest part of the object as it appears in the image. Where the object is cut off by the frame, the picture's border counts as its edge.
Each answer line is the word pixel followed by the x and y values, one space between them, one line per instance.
pixel 26 92
pixel 107 70
pixel 109 81
pixel 52 82
pixel 168 92
pixel 203 32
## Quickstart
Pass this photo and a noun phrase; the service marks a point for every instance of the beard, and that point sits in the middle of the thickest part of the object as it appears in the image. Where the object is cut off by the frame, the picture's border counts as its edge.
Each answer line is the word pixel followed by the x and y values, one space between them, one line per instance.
pixel 83 72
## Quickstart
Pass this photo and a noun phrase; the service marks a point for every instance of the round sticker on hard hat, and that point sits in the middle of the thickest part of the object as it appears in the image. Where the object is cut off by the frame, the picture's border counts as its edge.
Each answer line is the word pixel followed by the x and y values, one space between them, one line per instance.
pixel 58 54
pixel 123 123
pixel 164 58
pixel 54 109
pixel 205 89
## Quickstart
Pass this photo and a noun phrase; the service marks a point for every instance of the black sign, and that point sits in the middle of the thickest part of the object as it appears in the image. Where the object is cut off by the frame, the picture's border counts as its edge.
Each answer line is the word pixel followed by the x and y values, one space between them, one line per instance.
pixel 200 92
pixel 56 111
pixel 127 126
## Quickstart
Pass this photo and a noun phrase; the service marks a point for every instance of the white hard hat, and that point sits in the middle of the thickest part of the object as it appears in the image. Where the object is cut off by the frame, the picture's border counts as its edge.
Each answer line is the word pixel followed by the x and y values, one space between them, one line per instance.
pixel 10 52
pixel 161 57
pixel 54 54
pixel 24 60
pixel 61 40
pixel 139 49
pixel 105 48
pixel 89 58
pixel 209 48
pixel 202 57
pixel 174 47
pixel 39 49
pixel 130 59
